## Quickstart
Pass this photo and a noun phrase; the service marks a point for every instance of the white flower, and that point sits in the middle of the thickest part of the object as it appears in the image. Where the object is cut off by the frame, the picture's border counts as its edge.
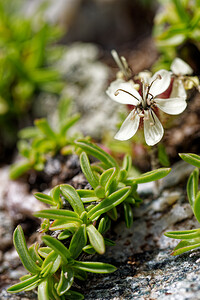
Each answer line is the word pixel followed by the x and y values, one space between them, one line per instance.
pixel 179 69
pixel 182 81
pixel 145 105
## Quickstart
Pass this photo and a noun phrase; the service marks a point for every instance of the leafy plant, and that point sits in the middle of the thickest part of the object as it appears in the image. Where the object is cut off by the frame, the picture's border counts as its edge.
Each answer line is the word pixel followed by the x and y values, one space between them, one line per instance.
pixel 53 269
pixel 107 177
pixel 41 141
pixel 175 25
pixel 190 239
pixel 27 55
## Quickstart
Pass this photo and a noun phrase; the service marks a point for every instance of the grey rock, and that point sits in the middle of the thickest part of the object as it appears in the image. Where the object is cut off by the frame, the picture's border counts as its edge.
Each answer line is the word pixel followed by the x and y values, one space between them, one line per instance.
pixel 6 227
pixel 180 172
pixel 4 295
pixel 15 197
pixel 87 80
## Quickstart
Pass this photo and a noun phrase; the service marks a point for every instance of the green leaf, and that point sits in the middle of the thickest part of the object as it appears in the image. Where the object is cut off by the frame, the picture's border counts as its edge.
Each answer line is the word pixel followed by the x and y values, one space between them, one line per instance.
pixel 185 234
pixel 27 284
pixel 96 239
pixel 72 295
pixel 111 201
pixel 22 250
pixel 185 248
pixel 72 197
pixel 46 270
pixel 182 12
pixel 78 241
pixel 97 152
pixel 33 251
pixel 87 196
pixel 128 213
pixel 87 170
pixel 195 20
pixel 127 163
pixel 196 207
pixel 66 280
pixel 192 187
pixel 100 192
pixel 94 267
pixel 27 276
pixel 43 290
pixel 130 200
pixel 191 158
pixel 104 224
pixel 44 251
pixel 89 249
pixel 58 247
pixel 28 133
pixel 54 214
pixel 18 169
pixel 54 259
pixel 62 224
pixel 64 234
pixel 45 128
pixel 55 195
pixel 151 176
pixel 122 175
pixel 44 198
pixel 64 108
pixel 69 123
pixel 107 178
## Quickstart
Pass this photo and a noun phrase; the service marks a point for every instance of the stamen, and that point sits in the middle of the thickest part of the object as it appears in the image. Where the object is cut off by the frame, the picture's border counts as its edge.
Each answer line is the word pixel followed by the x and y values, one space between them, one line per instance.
pixel 121 63
pixel 158 77
pixel 127 69
pixel 120 90
pixel 123 59
pixel 133 115
pixel 117 60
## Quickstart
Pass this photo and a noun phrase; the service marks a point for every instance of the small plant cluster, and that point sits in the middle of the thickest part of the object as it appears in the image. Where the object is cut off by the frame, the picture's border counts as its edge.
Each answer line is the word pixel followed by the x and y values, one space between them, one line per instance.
pixel 190 239
pixel 42 141
pixel 28 53
pixel 176 24
pixel 79 218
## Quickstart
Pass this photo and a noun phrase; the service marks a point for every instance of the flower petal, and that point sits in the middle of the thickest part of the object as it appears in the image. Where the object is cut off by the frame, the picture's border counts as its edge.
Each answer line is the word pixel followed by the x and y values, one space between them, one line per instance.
pixel 129 127
pixel 171 106
pixel 178 89
pixel 153 129
pixel 160 82
pixel 180 67
pixel 126 94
